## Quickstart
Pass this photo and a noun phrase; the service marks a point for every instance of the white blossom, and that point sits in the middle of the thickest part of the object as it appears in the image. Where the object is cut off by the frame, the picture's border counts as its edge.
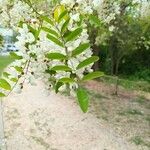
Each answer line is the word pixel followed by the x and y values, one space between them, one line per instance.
pixel 34 63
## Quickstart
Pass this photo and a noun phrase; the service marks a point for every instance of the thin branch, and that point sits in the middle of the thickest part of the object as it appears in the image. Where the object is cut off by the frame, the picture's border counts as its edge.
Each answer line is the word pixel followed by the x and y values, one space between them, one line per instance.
pixel 16 82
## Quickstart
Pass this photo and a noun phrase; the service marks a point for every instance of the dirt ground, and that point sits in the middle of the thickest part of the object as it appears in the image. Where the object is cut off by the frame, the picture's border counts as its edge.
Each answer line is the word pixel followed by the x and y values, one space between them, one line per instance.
pixel 128 113
pixel 33 121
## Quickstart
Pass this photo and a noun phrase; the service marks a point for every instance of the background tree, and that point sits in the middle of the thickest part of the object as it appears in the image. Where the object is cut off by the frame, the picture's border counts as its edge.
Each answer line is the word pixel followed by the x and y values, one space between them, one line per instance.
pixel 120 32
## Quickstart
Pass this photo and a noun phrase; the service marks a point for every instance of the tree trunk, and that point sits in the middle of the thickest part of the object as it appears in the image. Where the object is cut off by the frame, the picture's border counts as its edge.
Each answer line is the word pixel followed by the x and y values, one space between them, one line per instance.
pixel 96 53
pixel 117 66
pixel 112 64
pixel 95 48
pixel 116 86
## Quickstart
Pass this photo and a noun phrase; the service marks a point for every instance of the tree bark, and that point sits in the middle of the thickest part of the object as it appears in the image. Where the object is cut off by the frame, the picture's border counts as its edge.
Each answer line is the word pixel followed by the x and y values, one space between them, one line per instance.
pixel 96 53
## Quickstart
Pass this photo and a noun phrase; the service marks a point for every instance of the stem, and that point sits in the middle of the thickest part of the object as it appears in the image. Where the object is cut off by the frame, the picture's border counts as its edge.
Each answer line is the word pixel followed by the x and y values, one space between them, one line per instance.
pixel 63 40
pixel 28 64
pixel 16 82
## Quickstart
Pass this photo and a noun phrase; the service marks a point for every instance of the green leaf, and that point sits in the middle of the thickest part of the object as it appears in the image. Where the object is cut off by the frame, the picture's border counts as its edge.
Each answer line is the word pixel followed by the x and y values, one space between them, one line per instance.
pixel 14 79
pixel 88 61
pixel 57 86
pixel 51 72
pixel 65 25
pixel 66 34
pixel 73 34
pixel 92 75
pixel 61 68
pixel 19 69
pixel 66 80
pixel 56 56
pixel 15 56
pixel 33 31
pixel 52 79
pixel 80 49
pixel 55 40
pixel 81 20
pixel 47 19
pixel 4 84
pixel 59 13
pixel 83 99
pixel 53 32
pixel 20 24
pixel 95 20
pixel 62 15
pixel 2 94
pixel 6 74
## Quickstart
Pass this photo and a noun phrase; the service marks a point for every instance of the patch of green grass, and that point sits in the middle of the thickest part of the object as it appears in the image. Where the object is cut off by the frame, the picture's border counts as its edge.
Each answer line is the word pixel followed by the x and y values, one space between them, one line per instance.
pixel 4 62
pixel 97 95
pixel 131 112
pixel 139 141
pixel 41 141
pixel 94 94
pixel 127 84
pixel 143 101
pixel 105 118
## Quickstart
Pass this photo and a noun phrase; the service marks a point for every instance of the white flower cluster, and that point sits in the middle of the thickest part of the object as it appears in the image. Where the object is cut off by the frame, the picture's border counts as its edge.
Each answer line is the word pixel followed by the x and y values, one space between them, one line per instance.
pixel 108 10
pixel 144 42
pixel 35 63
pixel 47 46
pixel 13 12
pixel 101 39
pixel 145 9
pixel 33 50
pixel 83 6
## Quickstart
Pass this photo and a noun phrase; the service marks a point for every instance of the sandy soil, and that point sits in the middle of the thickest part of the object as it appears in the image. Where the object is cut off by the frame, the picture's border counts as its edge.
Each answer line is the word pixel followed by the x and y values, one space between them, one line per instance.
pixel 36 122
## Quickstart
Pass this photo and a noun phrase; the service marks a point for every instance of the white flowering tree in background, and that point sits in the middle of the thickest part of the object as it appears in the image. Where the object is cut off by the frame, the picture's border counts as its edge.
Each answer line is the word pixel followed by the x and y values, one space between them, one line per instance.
pixel 117 26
